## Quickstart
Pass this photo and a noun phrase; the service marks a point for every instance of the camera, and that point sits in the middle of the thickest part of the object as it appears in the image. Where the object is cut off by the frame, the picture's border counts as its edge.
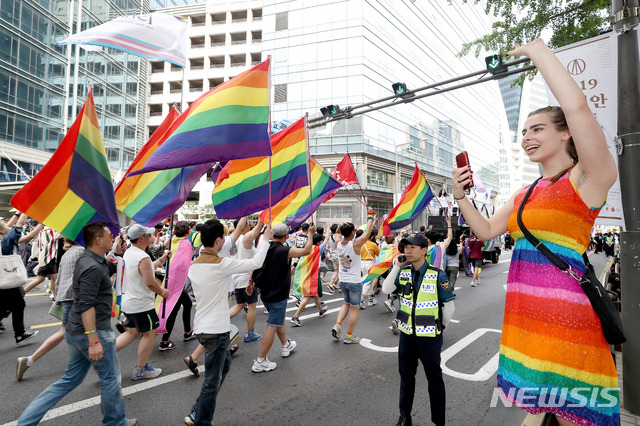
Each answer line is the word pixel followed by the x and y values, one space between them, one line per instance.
pixel 402 258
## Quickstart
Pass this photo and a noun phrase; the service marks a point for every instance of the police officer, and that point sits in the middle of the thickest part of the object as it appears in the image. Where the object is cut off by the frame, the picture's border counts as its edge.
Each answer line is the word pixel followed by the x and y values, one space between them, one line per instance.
pixel 426 307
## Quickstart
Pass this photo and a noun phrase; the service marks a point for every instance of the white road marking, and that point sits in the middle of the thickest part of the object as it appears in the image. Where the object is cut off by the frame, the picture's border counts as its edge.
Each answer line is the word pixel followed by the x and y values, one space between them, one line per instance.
pixel 315 315
pixel 367 344
pixel 485 372
pixel 505 287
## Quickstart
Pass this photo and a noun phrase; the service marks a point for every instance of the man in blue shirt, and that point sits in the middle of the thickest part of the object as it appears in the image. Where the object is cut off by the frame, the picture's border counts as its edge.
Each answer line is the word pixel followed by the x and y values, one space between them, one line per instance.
pixel 426 307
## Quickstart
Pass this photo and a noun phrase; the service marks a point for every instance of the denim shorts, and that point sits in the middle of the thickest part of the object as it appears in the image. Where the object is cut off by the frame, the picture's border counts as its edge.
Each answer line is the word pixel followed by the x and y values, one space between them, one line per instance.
pixel 276 313
pixel 352 293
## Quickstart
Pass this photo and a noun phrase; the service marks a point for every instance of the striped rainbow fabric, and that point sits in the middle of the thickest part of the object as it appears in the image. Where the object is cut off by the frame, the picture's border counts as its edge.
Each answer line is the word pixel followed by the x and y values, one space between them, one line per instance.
pixel 74 187
pixel 296 207
pixel 242 187
pixel 435 256
pixel 152 197
pixel 158 35
pixel 307 274
pixel 414 199
pixel 383 263
pixel 228 122
pixel 553 355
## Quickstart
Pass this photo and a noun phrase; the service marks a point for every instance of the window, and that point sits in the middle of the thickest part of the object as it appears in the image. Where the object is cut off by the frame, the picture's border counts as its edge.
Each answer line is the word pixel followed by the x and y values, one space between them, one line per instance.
pixel 335 212
pixel 280 93
pixel 376 178
pixel 282 21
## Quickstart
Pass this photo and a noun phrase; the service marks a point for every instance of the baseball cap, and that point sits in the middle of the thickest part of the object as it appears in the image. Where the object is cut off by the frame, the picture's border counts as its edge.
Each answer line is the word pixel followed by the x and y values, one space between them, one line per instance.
pixel 280 230
pixel 415 240
pixel 137 231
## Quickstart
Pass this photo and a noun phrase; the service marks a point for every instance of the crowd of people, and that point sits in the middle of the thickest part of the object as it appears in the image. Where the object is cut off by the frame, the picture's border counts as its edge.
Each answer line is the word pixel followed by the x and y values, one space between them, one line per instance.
pixel 544 317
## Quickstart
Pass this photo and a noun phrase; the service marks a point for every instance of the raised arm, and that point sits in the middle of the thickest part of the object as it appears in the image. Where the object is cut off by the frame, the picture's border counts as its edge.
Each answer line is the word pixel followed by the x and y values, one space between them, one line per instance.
pixel 31 235
pixel 238 231
pixel 359 242
pixel 447 241
pixel 306 250
pixel 250 237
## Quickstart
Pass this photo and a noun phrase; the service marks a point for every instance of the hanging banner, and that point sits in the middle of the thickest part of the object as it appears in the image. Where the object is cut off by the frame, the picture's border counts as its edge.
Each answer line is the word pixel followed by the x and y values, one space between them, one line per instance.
pixel 593 64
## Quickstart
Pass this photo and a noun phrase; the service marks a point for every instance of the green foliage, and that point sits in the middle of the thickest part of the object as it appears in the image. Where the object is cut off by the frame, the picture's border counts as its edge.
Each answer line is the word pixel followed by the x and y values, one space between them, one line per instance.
pixel 520 21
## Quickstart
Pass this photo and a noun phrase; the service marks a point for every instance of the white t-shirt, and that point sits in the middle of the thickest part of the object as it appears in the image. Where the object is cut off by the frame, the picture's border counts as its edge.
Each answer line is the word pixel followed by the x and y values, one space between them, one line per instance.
pixel 241 280
pixel 136 296
pixel 210 286
pixel 229 249
pixel 350 263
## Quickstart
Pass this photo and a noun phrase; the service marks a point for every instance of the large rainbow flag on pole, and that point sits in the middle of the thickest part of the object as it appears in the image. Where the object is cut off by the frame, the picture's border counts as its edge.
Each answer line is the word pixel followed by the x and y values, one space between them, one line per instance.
pixel 74 187
pixel 296 207
pixel 228 122
pixel 242 187
pixel 414 199
pixel 152 197
pixel 383 263
pixel 307 274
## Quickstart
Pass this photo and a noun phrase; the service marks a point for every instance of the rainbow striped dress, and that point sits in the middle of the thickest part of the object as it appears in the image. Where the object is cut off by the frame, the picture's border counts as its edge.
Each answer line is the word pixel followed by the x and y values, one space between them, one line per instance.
pixel 553 355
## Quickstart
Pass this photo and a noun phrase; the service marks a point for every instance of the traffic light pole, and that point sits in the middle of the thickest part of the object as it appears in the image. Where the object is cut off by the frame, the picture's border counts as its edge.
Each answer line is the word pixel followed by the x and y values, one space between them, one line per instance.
pixel 625 22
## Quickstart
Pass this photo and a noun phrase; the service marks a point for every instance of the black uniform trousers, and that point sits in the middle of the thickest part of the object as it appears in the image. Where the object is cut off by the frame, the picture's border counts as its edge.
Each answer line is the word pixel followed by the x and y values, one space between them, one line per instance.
pixel 427 350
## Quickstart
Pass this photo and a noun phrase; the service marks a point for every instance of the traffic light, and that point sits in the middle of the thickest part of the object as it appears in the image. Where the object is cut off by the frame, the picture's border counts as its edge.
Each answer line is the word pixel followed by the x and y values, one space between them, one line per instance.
pixel 400 89
pixel 495 65
pixel 330 110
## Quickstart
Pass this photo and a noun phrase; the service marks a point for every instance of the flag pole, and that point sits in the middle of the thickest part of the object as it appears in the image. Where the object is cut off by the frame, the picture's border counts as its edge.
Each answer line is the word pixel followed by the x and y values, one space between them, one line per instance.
pixel 430 186
pixel 345 187
pixel 166 275
pixel 306 136
pixel 17 166
pixel 269 132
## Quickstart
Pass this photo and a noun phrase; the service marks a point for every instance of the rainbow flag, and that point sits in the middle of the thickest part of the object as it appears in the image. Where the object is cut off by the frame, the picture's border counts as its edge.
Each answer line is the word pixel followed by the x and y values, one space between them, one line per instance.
pixel 296 207
pixel 307 274
pixel 74 187
pixel 383 263
pixel 242 187
pixel 435 256
pixel 228 122
pixel 414 199
pixel 152 197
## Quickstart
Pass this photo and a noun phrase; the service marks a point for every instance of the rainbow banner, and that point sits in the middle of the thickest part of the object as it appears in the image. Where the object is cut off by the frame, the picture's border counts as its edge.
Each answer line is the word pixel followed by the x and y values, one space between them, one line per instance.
pixel 296 207
pixel 307 274
pixel 435 256
pixel 383 263
pixel 74 187
pixel 152 197
pixel 414 199
pixel 157 35
pixel 242 187
pixel 228 122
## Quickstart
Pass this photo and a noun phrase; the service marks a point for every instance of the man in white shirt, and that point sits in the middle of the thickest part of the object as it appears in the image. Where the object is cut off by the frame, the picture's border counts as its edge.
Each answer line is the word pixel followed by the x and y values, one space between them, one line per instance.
pixel 139 289
pixel 209 275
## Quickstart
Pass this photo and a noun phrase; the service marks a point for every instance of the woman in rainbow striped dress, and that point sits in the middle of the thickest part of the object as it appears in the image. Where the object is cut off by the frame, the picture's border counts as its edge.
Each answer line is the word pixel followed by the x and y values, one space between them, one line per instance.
pixel 553 355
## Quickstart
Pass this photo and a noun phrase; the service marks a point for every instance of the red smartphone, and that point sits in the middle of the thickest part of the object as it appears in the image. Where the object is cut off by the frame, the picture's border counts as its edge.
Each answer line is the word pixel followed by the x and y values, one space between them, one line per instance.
pixel 462 160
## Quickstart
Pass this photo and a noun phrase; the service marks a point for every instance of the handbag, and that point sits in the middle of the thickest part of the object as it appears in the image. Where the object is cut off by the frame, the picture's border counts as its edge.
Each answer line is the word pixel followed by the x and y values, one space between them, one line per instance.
pixel 12 271
pixel 598 296
pixel 56 310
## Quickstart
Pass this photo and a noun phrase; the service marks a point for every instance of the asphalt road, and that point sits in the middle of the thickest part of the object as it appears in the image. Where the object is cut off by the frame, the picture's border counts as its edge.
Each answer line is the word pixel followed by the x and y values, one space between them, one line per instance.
pixel 323 382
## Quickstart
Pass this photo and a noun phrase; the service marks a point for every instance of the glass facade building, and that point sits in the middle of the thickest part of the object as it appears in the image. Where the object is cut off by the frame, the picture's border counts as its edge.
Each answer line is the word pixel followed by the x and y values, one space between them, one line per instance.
pixel 43 85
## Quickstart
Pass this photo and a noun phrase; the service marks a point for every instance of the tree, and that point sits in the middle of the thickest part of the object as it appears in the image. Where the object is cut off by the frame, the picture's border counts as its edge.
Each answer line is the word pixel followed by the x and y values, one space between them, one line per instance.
pixel 520 21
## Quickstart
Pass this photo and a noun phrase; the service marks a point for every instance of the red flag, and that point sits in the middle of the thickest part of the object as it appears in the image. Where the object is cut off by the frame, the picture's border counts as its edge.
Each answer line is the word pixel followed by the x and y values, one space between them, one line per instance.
pixel 345 174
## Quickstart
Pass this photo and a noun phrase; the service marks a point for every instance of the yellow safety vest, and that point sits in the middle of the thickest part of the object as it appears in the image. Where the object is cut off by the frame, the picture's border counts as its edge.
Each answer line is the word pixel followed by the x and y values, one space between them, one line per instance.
pixel 424 311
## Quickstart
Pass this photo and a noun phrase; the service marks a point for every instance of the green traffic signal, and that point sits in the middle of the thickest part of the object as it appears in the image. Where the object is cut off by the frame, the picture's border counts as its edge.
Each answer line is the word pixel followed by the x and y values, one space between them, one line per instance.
pixel 494 64
pixel 399 88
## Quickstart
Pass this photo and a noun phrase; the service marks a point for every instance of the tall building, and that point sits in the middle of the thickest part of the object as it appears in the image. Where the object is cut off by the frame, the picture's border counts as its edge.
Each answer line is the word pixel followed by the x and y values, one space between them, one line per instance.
pixel 348 53
pixel 43 85
pixel 516 171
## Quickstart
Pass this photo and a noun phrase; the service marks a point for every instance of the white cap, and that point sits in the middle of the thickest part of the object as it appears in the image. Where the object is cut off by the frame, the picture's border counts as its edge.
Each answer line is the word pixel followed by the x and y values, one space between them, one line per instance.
pixel 136 231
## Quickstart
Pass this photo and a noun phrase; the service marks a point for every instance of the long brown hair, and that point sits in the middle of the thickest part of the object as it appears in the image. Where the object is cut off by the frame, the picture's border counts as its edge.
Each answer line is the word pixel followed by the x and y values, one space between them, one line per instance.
pixel 560 124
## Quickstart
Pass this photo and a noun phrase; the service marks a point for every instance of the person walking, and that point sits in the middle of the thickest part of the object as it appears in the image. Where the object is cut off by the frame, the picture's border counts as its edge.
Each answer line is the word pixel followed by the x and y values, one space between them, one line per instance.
pixel 426 307
pixel 274 281
pixel 475 247
pixel 139 290
pixel 89 336
pixel 551 336
pixel 348 252
pixel 209 275
pixel 369 253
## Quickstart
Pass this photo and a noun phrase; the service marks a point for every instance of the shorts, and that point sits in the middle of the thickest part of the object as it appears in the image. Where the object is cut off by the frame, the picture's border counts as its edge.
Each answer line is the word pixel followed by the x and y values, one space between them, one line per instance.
pixel 66 307
pixel 336 265
pixel 477 263
pixel 352 293
pixel 276 313
pixel 143 321
pixel 242 297
pixel 48 269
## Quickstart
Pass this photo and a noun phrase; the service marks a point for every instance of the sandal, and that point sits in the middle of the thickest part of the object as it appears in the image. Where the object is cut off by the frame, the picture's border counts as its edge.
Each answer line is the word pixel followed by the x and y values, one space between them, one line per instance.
pixel 120 327
pixel 193 366
pixel 234 348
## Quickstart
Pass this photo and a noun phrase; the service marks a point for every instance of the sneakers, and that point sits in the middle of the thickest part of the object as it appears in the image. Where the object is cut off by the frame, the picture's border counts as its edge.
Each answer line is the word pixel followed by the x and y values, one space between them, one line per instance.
pixel 264 365
pixel 233 349
pixel 190 419
pixel 362 304
pixel 351 339
pixel 372 302
pixel 335 331
pixel 288 347
pixel 132 422
pixel 146 372
pixel 120 327
pixel 22 367
pixel 388 304
pixel 167 346
pixel 266 311
pixel 296 322
pixel 474 284
pixel 331 289
pixel 322 312
pixel 192 365
pixel 189 336
pixel 25 336
pixel 394 326
pixel 252 336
